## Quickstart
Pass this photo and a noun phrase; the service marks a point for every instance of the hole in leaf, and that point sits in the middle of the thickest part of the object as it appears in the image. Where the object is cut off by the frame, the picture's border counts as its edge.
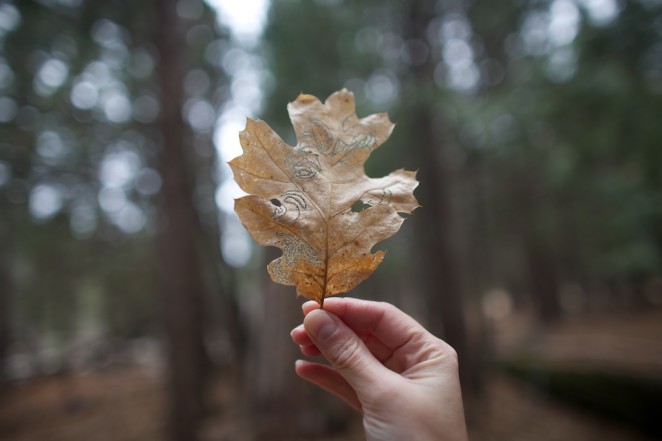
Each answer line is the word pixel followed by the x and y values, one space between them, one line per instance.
pixel 359 206
pixel 276 202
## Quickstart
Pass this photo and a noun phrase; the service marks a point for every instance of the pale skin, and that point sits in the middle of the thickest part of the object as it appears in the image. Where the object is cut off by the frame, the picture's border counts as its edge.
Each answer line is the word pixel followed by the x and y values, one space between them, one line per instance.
pixel 385 365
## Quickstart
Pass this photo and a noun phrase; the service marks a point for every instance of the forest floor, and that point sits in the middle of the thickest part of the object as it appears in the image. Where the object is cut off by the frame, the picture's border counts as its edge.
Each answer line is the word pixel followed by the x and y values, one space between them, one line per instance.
pixel 127 403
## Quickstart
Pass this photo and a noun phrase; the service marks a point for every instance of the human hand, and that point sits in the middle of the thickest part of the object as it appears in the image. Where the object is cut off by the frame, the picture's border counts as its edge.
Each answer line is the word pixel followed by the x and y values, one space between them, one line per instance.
pixel 386 365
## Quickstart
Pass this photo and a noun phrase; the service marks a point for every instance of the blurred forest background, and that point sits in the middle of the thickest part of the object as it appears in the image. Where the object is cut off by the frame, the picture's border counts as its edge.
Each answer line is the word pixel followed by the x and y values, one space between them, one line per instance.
pixel 133 305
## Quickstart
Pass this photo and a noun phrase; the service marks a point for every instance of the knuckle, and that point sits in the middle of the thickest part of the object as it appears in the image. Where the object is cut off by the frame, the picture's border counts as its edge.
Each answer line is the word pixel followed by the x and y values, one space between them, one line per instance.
pixel 347 354
pixel 388 308
pixel 448 353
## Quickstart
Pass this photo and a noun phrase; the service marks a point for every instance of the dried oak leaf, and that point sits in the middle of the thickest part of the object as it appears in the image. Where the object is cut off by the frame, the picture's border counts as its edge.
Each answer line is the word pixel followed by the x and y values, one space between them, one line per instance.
pixel 314 200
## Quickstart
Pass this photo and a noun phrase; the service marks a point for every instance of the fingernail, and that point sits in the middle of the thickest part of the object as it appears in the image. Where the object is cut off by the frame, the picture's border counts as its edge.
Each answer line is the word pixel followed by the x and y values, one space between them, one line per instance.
pixel 320 325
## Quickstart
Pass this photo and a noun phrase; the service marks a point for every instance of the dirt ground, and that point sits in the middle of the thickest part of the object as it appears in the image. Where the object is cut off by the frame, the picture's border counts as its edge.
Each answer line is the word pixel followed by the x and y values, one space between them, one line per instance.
pixel 127 403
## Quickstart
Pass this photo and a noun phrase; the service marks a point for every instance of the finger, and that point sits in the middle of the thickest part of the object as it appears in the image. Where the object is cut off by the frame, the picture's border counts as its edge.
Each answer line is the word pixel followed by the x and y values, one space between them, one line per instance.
pixel 310 350
pixel 331 381
pixel 378 349
pixel 381 351
pixel 309 306
pixel 387 323
pixel 344 350
pixel 306 345
pixel 300 336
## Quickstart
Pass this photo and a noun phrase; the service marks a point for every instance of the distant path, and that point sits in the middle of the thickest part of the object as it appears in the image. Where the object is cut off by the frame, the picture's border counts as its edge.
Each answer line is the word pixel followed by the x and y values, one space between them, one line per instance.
pixel 623 342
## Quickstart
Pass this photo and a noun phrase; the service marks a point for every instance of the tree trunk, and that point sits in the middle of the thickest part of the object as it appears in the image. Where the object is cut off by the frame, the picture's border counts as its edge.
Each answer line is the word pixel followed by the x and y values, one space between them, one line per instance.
pixel 542 278
pixel 435 232
pixel 284 406
pixel 541 264
pixel 5 307
pixel 543 282
pixel 179 261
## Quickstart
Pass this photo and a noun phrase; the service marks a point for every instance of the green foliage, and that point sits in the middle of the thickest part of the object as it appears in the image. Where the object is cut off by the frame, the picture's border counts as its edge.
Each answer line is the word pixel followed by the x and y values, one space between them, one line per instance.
pixel 80 204
pixel 546 138
pixel 572 122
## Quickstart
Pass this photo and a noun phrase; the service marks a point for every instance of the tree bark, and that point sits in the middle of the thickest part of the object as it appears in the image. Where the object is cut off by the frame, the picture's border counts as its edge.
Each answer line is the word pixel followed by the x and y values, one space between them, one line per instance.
pixel 183 299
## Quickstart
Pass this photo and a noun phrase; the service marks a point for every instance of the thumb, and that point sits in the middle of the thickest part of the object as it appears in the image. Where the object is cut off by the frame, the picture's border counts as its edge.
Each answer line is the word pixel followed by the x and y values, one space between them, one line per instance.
pixel 344 350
